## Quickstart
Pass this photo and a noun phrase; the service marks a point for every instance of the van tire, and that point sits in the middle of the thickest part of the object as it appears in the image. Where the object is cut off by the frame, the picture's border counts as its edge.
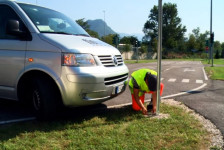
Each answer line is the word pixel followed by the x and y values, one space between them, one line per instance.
pixel 44 98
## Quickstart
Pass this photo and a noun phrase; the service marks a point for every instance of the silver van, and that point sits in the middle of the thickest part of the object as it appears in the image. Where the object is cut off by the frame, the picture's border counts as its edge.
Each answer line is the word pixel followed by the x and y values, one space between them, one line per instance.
pixel 48 60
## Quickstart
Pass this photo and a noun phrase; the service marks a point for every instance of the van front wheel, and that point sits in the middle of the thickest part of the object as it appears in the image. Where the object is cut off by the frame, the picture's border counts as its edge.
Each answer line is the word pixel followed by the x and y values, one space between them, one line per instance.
pixel 44 98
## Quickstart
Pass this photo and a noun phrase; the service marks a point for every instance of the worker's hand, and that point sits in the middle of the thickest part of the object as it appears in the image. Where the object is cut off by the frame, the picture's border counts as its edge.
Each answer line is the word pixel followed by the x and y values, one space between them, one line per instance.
pixel 154 109
pixel 144 111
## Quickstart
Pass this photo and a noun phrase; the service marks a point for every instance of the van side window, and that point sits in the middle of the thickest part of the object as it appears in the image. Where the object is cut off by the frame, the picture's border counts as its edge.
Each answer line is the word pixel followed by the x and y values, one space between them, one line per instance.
pixel 7 13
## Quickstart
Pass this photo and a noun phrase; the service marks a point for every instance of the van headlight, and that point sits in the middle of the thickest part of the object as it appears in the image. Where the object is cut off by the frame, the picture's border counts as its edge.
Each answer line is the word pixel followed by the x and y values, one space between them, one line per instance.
pixel 79 60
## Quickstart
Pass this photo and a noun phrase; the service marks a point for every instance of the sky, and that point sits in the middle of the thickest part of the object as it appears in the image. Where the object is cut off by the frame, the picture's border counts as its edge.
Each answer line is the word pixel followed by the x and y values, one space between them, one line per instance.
pixel 129 16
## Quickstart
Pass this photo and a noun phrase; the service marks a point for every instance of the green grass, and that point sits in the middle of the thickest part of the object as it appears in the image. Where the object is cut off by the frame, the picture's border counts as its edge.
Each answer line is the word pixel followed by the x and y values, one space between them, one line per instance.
pixel 215 73
pixel 215 61
pixel 109 129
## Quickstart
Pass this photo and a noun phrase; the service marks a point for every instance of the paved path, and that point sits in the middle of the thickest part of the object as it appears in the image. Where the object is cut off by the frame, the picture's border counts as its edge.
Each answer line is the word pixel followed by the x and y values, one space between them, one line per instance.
pixel 208 102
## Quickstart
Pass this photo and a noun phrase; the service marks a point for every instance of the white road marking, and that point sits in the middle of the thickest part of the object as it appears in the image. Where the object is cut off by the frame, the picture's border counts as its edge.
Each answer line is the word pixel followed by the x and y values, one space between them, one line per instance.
pixel 168 69
pixel 182 93
pixel 172 80
pixel 186 80
pixel 187 69
pixel 168 96
pixel 17 120
pixel 199 81
pixel 205 75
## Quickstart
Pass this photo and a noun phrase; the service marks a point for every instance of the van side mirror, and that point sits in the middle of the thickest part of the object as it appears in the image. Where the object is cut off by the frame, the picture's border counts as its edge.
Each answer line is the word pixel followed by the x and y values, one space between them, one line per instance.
pixel 12 28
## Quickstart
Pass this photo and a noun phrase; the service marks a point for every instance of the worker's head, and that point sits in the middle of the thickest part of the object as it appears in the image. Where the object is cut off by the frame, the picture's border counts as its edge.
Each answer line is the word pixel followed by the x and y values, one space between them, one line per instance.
pixel 151 81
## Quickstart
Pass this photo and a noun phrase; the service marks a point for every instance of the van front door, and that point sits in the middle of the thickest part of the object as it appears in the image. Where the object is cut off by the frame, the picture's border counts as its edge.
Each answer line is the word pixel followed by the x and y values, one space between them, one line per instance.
pixel 12 54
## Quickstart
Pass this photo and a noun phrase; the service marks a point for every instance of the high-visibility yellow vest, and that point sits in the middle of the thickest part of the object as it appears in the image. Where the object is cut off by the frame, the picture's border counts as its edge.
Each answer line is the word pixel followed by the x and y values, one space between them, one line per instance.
pixel 139 76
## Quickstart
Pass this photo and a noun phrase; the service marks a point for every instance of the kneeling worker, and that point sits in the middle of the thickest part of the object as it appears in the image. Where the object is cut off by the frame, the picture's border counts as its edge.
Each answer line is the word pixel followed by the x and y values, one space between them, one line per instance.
pixel 144 81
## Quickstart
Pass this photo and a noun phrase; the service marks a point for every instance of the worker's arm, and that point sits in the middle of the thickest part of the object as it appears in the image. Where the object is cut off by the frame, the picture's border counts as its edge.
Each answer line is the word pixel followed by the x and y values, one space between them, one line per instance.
pixel 139 102
pixel 154 101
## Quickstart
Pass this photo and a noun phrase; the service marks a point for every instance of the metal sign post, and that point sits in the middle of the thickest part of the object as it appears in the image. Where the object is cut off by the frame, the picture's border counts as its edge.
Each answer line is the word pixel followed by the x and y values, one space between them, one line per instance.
pixel 211 36
pixel 159 54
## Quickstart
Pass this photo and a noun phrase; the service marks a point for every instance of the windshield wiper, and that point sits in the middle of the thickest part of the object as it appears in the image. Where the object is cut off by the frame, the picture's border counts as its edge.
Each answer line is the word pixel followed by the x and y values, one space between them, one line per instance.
pixel 66 33
pixel 82 35
pixel 57 33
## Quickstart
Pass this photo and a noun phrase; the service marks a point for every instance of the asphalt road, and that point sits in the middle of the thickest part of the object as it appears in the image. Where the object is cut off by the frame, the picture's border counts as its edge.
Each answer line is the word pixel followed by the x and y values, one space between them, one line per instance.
pixel 177 76
pixel 209 102
pixel 183 80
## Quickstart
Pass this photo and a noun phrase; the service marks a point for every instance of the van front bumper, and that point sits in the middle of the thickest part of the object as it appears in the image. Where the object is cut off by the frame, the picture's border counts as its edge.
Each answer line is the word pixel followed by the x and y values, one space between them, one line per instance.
pixel 92 85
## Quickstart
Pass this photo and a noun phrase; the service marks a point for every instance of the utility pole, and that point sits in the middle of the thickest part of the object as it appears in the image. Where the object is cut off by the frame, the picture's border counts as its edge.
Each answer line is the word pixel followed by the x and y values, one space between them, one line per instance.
pixel 159 53
pixel 211 36
pixel 136 46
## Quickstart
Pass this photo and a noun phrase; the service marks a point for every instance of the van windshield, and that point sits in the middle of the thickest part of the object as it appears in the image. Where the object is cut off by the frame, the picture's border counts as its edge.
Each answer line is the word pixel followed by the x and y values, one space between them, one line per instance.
pixel 50 21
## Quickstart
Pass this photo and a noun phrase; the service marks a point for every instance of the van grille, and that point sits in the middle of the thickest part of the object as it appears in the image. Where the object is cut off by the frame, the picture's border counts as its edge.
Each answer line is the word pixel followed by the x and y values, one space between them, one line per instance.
pixel 111 60
pixel 115 79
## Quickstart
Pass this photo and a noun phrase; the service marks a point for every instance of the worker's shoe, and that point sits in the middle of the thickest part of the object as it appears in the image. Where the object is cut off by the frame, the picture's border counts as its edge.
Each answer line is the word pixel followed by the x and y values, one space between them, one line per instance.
pixel 149 107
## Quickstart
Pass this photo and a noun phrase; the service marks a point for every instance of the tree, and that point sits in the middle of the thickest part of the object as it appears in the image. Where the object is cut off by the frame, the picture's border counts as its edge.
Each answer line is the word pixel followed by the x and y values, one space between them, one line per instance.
pixel 191 43
pixel 217 56
pixel 217 49
pixel 109 39
pixel 125 48
pixel 222 46
pixel 93 33
pixel 129 40
pixel 173 31
pixel 217 46
pixel 143 49
pixel 196 32
pixel 116 40
pixel 200 39
pixel 84 24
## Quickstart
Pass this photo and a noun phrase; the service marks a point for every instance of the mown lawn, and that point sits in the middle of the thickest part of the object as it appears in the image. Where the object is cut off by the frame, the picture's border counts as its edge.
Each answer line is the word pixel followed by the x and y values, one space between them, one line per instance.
pixel 120 128
pixel 215 72
pixel 215 61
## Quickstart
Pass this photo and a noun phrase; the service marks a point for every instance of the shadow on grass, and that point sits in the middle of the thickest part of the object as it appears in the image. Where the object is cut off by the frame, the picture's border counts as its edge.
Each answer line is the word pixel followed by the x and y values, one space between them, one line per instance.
pixel 69 118
pixel 10 110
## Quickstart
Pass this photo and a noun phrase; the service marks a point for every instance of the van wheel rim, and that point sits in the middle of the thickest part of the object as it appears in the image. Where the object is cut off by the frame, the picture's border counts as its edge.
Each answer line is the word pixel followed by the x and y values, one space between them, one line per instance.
pixel 36 100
